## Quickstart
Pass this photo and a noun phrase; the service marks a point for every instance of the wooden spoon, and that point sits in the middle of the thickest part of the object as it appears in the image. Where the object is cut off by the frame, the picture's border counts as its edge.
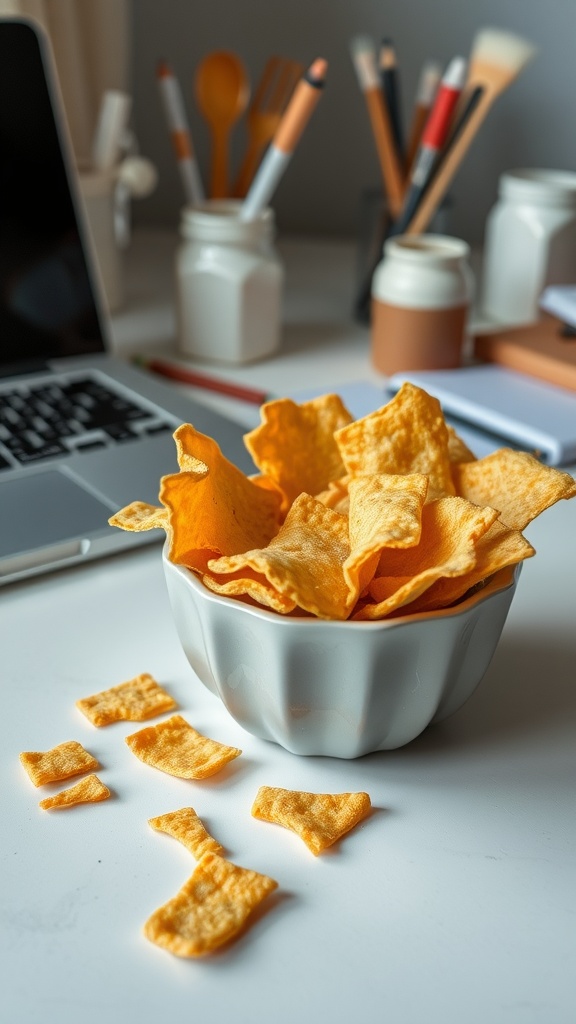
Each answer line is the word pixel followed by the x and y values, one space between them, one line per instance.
pixel 222 92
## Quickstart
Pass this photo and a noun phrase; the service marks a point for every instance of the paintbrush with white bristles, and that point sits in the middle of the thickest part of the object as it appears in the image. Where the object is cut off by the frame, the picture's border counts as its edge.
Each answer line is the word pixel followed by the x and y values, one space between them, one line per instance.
pixel 496 60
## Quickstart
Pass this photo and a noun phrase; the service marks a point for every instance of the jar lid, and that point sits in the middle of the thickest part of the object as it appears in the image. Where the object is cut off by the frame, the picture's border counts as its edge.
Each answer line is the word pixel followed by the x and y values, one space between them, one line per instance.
pixel 540 185
pixel 217 220
pixel 427 248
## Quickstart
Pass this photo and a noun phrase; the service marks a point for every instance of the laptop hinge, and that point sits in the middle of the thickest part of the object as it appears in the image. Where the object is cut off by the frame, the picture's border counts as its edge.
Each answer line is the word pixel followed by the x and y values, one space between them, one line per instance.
pixel 21 369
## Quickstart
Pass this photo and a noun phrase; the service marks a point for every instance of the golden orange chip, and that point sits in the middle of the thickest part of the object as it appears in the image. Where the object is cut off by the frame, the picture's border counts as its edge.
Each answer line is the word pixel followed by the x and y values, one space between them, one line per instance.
pixel 213 506
pixel 336 496
pixel 458 451
pixel 320 819
pixel 210 909
pixel 304 560
pixel 498 548
pixel 250 584
pixel 133 701
pixel 515 483
pixel 451 529
pixel 140 516
pixel 407 435
pixel 58 763
pixel 176 748
pixel 294 445
pixel 185 826
pixel 88 791
pixel 385 511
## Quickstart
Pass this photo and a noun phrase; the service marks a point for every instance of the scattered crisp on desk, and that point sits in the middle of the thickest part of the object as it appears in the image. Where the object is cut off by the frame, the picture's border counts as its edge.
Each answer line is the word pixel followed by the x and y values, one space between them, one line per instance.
pixel 210 909
pixel 320 819
pixel 60 762
pixel 88 791
pixel 185 826
pixel 133 701
pixel 176 748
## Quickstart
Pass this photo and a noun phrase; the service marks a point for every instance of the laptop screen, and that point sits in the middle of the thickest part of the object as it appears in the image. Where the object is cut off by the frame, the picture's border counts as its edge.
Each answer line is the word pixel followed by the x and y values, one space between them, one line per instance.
pixel 47 306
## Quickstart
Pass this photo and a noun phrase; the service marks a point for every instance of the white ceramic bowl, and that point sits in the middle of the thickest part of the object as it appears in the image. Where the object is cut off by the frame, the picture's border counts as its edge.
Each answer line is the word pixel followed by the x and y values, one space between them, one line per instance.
pixel 340 689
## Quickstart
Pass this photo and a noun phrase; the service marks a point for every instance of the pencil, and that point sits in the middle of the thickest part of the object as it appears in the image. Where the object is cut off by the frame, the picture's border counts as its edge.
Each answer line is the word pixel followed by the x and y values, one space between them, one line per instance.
pixel 180 133
pixel 363 56
pixel 287 136
pixel 388 69
pixel 202 380
pixel 434 136
pixel 425 93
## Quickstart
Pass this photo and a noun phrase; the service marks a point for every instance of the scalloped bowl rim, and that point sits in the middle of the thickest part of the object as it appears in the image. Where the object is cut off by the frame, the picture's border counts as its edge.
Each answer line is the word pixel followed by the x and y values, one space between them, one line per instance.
pixel 494 584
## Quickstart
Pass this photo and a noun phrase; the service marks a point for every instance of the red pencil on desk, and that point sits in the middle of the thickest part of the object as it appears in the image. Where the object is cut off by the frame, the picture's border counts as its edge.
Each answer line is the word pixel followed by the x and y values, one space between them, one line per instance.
pixel 203 380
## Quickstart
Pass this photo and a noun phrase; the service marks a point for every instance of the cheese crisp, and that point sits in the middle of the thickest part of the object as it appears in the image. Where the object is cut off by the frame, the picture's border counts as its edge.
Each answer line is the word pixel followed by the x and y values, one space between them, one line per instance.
pixel 320 819
pixel 58 763
pixel 349 519
pixel 176 748
pixel 133 701
pixel 185 826
pixel 210 909
pixel 88 791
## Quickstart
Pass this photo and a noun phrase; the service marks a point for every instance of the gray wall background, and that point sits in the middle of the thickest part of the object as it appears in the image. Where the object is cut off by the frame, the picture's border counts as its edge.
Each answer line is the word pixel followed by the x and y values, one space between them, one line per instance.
pixel 532 124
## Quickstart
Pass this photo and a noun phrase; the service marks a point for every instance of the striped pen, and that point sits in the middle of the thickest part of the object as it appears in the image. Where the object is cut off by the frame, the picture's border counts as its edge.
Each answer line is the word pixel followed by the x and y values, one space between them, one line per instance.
pixel 180 133
pixel 434 136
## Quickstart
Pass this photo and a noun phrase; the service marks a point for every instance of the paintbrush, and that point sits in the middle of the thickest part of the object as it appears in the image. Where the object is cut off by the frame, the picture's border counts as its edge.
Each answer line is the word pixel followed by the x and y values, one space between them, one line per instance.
pixel 389 80
pixel 496 60
pixel 364 58
pixel 426 91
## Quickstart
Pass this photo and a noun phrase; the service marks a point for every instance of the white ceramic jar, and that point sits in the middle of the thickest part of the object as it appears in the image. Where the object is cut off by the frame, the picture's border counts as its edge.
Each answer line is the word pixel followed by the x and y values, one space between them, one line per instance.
pixel 530 242
pixel 229 284
pixel 421 293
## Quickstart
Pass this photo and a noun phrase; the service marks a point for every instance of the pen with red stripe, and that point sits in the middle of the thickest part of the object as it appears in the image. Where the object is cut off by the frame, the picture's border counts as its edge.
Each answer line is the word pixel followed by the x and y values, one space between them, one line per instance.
pixel 180 133
pixel 433 138
pixel 183 375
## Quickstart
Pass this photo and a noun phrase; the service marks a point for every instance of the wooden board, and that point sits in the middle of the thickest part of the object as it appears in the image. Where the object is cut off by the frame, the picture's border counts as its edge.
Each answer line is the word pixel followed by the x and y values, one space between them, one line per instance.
pixel 544 349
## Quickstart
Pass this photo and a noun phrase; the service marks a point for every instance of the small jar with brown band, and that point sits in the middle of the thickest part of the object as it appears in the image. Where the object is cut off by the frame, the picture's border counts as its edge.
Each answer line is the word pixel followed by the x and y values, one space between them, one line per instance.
pixel 421 294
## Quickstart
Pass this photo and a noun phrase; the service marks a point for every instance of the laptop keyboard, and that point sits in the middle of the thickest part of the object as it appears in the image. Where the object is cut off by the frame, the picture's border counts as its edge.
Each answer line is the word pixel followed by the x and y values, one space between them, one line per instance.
pixel 55 418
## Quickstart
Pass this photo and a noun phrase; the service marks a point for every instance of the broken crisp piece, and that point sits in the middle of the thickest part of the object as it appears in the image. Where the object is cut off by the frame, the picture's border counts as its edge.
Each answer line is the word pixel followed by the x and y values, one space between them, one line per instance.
pixel 303 562
pixel 294 445
pixel 88 791
pixel 176 748
pixel 185 826
pixel 213 507
pixel 210 908
pixel 58 763
pixel 133 701
pixel 407 435
pixel 320 819
pixel 515 483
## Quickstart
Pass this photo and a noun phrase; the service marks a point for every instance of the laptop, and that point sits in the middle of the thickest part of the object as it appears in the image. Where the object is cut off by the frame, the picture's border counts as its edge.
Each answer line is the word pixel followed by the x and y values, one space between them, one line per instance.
pixel 81 433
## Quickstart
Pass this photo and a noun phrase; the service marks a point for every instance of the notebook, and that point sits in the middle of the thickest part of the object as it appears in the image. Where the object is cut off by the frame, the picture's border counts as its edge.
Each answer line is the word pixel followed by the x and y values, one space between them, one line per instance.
pixel 81 433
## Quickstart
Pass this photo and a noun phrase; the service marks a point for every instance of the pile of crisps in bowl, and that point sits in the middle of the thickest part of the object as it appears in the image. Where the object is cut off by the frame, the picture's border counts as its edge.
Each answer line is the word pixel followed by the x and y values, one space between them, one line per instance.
pixel 362 519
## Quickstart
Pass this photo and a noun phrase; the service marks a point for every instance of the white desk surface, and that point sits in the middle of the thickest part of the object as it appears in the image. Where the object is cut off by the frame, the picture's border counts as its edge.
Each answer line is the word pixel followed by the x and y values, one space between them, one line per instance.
pixel 454 902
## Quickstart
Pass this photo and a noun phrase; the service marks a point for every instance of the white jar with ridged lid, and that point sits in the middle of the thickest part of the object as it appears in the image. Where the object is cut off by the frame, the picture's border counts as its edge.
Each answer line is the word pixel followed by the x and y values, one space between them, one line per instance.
pixel 229 283
pixel 530 242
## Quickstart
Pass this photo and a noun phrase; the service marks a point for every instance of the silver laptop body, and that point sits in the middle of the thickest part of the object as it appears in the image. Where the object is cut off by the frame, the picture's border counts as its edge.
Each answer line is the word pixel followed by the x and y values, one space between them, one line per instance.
pixel 81 433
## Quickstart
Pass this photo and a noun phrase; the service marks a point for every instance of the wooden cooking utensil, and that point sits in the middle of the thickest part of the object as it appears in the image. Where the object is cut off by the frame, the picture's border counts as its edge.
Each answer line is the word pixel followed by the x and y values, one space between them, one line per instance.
pixel 278 81
pixel 222 92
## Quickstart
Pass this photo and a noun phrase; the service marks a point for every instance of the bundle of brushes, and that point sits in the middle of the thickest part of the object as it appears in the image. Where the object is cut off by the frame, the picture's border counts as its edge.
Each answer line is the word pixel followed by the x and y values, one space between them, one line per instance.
pixel 448 113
